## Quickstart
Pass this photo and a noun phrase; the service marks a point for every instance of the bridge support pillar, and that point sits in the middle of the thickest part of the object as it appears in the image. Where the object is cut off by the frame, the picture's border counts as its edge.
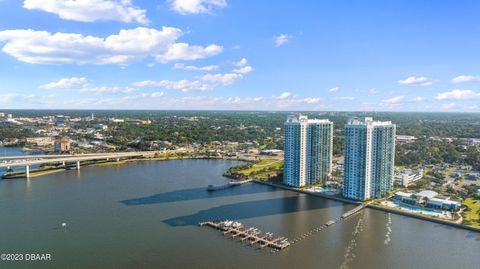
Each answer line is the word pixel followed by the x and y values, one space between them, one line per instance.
pixel 27 171
pixel 78 165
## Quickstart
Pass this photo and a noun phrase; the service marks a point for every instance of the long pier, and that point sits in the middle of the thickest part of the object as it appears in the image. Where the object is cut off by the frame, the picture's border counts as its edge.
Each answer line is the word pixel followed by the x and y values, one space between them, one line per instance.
pixel 329 223
pixel 252 234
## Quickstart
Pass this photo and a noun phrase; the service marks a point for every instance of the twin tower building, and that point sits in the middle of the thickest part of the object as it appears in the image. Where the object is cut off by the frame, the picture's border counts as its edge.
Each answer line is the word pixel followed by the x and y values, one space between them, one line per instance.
pixel 369 149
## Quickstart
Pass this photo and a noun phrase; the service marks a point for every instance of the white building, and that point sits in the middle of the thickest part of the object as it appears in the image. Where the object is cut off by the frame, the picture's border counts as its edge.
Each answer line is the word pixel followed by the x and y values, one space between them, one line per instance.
pixel 308 151
pixel 369 158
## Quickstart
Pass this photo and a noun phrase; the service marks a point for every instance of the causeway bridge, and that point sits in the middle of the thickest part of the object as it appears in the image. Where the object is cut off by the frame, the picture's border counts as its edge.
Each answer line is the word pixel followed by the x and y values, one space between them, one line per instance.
pixel 76 159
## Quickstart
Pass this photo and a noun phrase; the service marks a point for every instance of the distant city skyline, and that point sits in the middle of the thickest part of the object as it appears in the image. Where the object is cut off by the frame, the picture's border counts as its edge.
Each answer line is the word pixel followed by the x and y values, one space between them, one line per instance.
pixel 240 55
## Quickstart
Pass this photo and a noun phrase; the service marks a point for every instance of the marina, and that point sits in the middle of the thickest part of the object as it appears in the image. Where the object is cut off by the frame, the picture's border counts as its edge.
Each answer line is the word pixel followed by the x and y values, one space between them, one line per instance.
pixel 251 234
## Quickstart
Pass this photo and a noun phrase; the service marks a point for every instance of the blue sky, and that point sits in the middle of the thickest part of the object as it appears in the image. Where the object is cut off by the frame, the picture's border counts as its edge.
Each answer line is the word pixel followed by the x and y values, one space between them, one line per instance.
pixel 240 54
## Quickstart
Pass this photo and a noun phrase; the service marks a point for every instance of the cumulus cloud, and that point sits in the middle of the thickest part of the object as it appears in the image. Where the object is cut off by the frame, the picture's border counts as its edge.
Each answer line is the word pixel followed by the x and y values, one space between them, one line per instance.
pixel 243 70
pixel 283 95
pixel 195 68
pixel 224 79
pixel 281 39
pixel 108 90
pixel 82 84
pixel 67 83
pixel 312 100
pixel 334 89
pixel 91 10
pixel 346 98
pixel 183 85
pixel 418 99
pixel 242 62
pixel 153 94
pixel 422 81
pixel 396 100
pixel 448 106
pixel 184 51
pixel 42 47
pixel 458 94
pixel 465 78
pixel 186 7
pixel 368 91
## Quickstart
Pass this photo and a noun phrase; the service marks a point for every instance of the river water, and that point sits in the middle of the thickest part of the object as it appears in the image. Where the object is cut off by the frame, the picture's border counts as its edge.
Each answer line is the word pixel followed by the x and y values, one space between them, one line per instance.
pixel 145 215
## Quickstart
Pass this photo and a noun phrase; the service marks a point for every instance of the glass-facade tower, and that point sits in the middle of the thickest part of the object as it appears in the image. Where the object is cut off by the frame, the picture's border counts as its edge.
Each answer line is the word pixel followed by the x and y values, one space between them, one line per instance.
pixel 369 158
pixel 308 151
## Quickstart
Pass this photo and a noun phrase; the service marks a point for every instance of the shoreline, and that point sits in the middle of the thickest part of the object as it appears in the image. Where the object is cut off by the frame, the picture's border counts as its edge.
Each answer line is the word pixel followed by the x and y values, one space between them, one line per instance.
pixel 375 207
pixel 47 171
pixel 50 170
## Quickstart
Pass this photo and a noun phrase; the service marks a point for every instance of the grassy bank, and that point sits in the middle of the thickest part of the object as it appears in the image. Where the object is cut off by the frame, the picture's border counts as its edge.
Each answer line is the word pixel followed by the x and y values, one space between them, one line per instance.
pixel 471 216
pixel 264 169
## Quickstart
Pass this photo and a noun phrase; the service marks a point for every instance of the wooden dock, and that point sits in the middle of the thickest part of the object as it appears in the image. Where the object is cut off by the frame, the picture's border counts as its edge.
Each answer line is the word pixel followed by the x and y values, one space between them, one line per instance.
pixel 252 234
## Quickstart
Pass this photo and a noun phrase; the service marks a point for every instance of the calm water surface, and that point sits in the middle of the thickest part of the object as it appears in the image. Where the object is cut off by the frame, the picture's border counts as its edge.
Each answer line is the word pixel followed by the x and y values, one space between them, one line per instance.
pixel 145 215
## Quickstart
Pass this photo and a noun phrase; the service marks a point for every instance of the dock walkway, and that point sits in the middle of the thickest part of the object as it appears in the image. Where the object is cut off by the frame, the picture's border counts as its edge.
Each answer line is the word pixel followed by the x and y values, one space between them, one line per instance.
pixel 252 234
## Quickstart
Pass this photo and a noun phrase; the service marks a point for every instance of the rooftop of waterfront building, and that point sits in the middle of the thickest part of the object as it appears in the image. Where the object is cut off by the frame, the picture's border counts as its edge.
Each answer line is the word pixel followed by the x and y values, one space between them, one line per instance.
pixel 305 119
pixel 368 121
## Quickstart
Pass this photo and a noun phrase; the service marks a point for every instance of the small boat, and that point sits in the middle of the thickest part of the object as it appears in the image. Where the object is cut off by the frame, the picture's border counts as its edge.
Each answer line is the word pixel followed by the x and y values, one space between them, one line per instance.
pixel 330 223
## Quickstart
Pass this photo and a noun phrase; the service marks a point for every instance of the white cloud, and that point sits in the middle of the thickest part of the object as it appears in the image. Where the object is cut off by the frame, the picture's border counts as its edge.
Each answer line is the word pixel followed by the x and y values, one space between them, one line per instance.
pixel 67 83
pixel 108 90
pixel 184 51
pixel 183 85
pixel 281 39
pixel 186 7
pixel 418 99
pixel 153 94
pixel 127 46
pixel 346 98
pixel 394 100
pixel 334 89
pixel 448 106
pixel 224 79
pixel 195 68
pixel 17 100
pixel 368 91
pixel 242 62
pixel 284 95
pixel 91 10
pixel 465 78
pixel 312 100
pixel 458 94
pixel 243 70
pixel 422 81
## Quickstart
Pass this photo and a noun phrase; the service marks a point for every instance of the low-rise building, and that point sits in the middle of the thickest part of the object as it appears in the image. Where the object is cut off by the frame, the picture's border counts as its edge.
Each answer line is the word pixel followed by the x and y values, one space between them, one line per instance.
pixel 428 199
pixel 405 177
pixel 442 202
pixel 40 141
pixel 405 197
pixel 62 145
pixel 405 138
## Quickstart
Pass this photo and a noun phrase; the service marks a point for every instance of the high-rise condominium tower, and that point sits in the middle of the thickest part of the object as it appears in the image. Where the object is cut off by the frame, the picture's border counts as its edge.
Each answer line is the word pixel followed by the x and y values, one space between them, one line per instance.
pixel 308 151
pixel 369 158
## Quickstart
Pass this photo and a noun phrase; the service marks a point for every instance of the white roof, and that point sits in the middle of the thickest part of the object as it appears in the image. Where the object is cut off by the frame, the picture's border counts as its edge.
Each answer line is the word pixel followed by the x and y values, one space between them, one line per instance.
pixel 427 193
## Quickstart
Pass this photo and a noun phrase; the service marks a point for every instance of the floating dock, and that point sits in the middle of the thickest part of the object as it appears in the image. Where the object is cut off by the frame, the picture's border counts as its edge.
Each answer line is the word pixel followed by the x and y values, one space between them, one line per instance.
pixel 253 235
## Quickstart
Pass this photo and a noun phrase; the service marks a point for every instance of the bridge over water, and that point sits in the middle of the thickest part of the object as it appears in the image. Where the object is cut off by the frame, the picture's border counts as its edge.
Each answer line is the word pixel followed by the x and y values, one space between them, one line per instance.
pixel 76 159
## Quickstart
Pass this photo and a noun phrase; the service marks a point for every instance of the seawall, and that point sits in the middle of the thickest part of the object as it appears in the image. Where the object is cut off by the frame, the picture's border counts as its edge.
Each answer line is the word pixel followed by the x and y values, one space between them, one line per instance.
pixel 384 209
